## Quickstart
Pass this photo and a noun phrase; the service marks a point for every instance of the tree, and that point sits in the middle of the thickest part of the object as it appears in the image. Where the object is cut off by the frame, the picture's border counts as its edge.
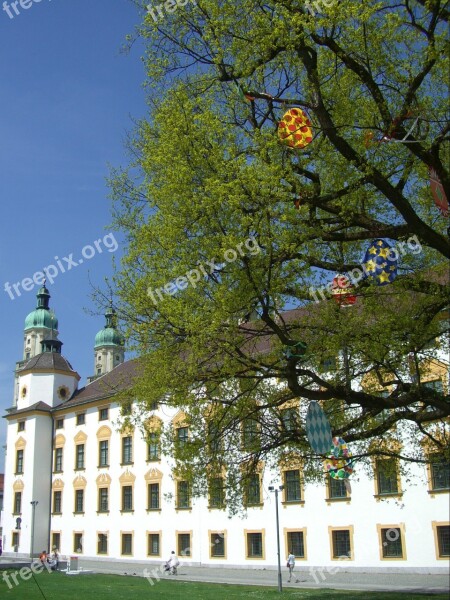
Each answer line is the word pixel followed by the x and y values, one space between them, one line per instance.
pixel 230 231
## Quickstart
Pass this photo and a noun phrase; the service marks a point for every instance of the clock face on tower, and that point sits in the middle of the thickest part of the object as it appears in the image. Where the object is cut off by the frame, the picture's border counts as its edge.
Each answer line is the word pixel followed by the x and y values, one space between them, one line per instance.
pixel 63 392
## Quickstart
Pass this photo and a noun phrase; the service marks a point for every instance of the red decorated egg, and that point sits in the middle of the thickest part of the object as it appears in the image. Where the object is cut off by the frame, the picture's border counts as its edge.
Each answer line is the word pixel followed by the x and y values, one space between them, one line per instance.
pixel 294 129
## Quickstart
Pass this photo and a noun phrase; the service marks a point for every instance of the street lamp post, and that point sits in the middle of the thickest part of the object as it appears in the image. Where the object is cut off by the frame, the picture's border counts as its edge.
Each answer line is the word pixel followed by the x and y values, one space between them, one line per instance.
pixel 276 490
pixel 33 503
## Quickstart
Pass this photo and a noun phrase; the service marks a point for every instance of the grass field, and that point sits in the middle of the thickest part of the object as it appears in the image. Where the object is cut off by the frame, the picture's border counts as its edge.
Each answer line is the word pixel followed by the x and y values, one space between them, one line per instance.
pixel 57 586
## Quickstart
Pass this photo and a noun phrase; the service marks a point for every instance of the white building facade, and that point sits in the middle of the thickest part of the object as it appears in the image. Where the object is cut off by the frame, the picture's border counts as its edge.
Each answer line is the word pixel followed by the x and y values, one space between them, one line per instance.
pixel 76 482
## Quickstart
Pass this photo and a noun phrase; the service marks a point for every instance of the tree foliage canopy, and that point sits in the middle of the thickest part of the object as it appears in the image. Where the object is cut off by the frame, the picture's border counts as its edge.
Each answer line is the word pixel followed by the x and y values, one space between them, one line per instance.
pixel 208 172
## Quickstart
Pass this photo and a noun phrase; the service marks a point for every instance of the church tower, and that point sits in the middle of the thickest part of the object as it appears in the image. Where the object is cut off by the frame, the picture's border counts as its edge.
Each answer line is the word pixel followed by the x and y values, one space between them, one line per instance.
pixel 44 380
pixel 41 323
pixel 109 347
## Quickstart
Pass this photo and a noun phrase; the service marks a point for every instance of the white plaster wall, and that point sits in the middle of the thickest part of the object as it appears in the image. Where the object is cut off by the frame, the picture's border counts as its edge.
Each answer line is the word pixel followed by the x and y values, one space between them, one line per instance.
pixel 36 479
pixel 43 387
pixel 417 509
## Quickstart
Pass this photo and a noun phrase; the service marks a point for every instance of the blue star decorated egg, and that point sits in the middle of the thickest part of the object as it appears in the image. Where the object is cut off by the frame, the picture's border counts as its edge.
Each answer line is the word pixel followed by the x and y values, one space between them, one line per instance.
pixel 380 262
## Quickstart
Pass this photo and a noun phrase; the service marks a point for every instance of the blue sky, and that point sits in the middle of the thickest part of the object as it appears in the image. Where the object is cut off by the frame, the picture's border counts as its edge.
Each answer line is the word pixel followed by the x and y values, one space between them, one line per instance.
pixel 67 97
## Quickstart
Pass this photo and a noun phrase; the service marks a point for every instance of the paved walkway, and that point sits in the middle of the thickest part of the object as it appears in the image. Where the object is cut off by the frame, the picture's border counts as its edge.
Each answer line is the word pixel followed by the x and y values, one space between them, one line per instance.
pixel 319 579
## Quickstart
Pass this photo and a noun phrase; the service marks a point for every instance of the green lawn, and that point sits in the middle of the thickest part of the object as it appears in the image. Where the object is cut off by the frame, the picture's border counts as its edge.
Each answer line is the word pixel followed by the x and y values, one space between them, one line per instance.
pixel 58 586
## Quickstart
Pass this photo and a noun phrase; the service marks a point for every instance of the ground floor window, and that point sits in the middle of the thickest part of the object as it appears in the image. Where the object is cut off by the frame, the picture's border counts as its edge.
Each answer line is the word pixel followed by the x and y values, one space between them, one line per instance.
pixel 15 540
pixel 127 544
pixel 296 543
pixel 184 544
pixel 341 543
pixel 442 539
pixel 153 541
pixel 56 541
pixel 391 542
pixel 217 541
pixel 102 543
pixel 78 543
pixel 255 547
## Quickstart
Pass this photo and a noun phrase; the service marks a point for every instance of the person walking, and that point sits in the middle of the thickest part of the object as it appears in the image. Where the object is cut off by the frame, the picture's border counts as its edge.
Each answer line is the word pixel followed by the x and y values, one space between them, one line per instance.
pixel 290 564
pixel 173 563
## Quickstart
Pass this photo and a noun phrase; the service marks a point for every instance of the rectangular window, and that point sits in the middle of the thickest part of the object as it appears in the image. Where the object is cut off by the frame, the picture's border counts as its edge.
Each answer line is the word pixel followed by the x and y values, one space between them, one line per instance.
pixel 81 419
pixel 336 488
pixel 153 446
pixel 103 453
pixel 127 544
pixel 292 485
pixel 21 426
pixel 58 460
pixel 57 500
pixel 289 418
pixel 103 499
pixel 79 501
pixel 183 495
pixel 250 435
pixel 153 496
pixel 184 544
pixel 127 498
pixel 102 543
pixel 15 540
pixel 153 544
pixel 296 543
pixel 56 541
pixel 216 492
pixel 443 538
pixel 79 461
pixel 253 490
pixel 127 450
pixel 18 503
pixel 440 473
pixel 217 541
pixel 214 442
pixel 387 476
pixel 341 543
pixel 19 462
pixel 182 435
pixel 103 414
pixel 78 543
pixel 391 541
pixel 59 424
pixel 436 385
pixel 254 545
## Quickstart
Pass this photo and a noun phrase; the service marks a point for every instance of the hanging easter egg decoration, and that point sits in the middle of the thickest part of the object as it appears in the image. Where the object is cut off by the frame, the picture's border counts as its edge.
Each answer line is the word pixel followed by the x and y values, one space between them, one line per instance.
pixel 339 462
pixel 343 291
pixel 318 430
pixel 380 263
pixel 437 189
pixel 296 351
pixel 294 129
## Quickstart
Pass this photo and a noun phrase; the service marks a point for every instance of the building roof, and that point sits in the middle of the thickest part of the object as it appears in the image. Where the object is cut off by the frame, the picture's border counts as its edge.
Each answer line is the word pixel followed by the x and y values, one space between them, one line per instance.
pixel 38 406
pixel 48 360
pixel 106 386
